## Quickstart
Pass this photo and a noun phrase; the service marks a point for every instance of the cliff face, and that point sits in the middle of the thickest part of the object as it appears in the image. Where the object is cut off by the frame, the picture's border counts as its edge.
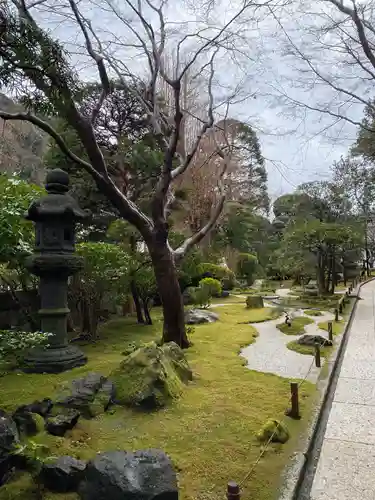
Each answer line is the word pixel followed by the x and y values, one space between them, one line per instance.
pixel 21 145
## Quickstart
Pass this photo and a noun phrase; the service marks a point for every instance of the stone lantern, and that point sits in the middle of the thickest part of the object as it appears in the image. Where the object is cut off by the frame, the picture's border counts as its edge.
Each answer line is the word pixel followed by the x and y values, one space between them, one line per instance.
pixel 55 216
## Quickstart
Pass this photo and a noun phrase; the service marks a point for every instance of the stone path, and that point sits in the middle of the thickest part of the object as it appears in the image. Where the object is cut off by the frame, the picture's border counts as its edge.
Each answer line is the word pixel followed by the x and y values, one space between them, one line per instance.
pixel 346 464
pixel 269 353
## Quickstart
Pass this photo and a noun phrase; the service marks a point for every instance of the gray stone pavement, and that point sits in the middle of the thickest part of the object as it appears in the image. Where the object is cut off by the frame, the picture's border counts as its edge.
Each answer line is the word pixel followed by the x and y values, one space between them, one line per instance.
pixel 346 467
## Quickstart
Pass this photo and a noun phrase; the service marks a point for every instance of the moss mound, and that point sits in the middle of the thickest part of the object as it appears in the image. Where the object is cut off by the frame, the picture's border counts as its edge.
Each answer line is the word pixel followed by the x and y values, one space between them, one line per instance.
pixel 273 430
pixel 151 376
pixel 297 326
pixel 313 312
pixel 254 302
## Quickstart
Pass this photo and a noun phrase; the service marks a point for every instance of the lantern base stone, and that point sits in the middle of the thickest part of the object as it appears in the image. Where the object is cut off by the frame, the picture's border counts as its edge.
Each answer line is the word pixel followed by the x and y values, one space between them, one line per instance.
pixel 54 360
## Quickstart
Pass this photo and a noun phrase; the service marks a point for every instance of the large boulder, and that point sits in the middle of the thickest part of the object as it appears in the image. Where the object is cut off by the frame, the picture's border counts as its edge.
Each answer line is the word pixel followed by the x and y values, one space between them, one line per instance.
pixel 199 316
pixel 150 376
pixel 63 475
pixel 9 438
pixel 178 360
pixel 254 302
pixel 90 395
pixel 42 408
pixel 311 340
pixel 121 475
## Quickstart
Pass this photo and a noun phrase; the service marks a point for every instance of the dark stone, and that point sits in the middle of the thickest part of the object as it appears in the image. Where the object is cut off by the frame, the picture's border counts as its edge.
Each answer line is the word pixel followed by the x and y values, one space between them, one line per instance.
pixel 60 424
pixel 224 294
pixel 9 437
pixel 28 423
pixel 311 340
pixel 121 475
pixel 199 316
pixel 90 395
pixel 42 408
pixel 63 475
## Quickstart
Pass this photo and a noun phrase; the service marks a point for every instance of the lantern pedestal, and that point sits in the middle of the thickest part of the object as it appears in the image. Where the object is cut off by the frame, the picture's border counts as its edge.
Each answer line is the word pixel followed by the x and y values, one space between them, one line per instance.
pixel 55 216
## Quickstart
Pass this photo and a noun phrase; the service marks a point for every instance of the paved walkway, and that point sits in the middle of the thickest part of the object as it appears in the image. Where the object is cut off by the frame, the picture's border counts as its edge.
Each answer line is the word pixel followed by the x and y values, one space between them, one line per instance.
pixel 346 467
pixel 269 353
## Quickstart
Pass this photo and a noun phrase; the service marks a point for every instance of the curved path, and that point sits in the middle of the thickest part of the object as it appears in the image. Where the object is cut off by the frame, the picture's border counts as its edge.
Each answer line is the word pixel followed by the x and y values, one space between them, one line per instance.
pixel 269 353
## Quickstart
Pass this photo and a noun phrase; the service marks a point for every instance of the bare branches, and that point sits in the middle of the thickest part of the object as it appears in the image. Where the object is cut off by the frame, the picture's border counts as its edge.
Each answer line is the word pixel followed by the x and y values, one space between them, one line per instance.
pixel 51 132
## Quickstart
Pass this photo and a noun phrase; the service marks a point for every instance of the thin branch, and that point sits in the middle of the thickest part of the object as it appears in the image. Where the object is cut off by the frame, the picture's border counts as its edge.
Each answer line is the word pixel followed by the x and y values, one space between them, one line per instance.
pixel 54 134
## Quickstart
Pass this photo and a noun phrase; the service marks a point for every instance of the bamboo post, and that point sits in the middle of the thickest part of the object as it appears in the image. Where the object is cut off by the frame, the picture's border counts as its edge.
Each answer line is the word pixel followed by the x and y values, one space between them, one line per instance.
pixel 330 330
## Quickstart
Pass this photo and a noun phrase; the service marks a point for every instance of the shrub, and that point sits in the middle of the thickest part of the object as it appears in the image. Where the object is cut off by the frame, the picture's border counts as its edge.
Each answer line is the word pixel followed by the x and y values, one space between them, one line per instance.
pixel 14 344
pixel 201 297
pixel 212 285
pixel 220 273
pixel 246 267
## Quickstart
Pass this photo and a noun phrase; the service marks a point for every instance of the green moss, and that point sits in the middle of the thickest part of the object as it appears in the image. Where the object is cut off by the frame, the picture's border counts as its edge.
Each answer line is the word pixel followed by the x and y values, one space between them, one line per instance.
pixel 337 326
pixel 312 312
pixel 146 377
pixel 310 350
pixel 273 430
pixel 297 326
pixel 206 431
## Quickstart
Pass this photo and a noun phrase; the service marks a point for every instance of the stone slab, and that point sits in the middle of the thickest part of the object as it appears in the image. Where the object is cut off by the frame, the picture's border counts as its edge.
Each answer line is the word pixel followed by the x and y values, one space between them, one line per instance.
pixel 355 391
pixel 351 422
pixel 345 472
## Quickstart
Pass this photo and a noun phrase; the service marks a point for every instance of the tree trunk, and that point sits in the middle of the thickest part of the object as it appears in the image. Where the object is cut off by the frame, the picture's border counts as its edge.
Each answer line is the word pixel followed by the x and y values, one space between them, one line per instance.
pixel 169 291
pixel 147 312
pixel 137 303
pixel 321 274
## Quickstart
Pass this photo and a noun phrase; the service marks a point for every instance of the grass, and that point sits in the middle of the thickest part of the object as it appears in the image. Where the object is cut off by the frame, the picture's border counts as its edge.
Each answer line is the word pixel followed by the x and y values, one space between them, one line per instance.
pixel 305 349
pixel 312 312
pixel 209 433
pixel 337 326
pixel 264 314
pixel 297 327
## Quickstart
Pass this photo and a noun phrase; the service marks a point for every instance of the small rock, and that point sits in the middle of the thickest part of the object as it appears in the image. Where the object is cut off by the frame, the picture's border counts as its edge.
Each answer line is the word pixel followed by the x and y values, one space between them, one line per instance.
pixel 311 340
pixel 9 438
pixel 28 423
pixel 82 394
pixel 119 475
pixel 199 316
pixel 274 430
pixel 63 475
pixel 102 399
pixel 60 424
pixel 42 408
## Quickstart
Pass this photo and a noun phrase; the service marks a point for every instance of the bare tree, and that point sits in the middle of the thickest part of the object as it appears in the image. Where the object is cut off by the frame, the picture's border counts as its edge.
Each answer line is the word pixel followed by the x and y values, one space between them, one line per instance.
pixel 328 75
pixel 33 61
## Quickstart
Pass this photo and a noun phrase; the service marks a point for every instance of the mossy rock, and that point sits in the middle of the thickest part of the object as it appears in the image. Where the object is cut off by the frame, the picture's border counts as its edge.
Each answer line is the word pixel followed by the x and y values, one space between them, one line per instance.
pixel 148 377
pixel 254 302
pixel 274 430
pixel 178 360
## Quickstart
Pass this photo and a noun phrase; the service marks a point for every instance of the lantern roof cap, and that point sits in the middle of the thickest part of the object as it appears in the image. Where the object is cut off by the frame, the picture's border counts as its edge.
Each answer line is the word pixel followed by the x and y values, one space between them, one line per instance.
pixel 57 203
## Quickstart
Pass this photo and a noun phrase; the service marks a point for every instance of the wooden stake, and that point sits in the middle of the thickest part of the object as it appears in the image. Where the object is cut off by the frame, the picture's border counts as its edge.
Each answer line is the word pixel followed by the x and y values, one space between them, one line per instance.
pixel 317 356
pixel 330 330
pixel 336 315
pixel 233 491
pixel 293 411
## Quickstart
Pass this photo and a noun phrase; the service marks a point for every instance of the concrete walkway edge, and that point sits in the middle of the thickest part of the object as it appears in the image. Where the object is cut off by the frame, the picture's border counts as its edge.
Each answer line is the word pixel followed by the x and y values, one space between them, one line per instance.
pixel 299 476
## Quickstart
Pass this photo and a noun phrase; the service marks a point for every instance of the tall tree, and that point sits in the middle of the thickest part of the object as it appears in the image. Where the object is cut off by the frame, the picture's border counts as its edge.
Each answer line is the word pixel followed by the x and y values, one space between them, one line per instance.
pixel 29 54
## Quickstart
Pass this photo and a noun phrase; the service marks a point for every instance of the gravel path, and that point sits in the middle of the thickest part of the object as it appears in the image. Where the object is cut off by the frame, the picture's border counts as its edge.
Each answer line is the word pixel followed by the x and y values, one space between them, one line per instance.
pixel 269 353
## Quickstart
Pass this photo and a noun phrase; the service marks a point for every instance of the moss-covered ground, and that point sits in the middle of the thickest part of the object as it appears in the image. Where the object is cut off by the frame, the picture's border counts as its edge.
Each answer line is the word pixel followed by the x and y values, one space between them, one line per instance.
pixel 209 432
pixel 297 326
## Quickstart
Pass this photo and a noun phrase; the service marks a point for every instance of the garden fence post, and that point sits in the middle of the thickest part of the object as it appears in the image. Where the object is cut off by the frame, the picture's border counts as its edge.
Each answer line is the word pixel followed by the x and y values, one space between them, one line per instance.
pixel 336 315
pixel 293 411
pixel 317 355
pixel 330 330
pixel 233 491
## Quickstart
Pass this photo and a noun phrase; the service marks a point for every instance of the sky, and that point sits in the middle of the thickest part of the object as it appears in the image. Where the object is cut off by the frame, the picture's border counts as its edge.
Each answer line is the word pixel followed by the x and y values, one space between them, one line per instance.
pixel 299 145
